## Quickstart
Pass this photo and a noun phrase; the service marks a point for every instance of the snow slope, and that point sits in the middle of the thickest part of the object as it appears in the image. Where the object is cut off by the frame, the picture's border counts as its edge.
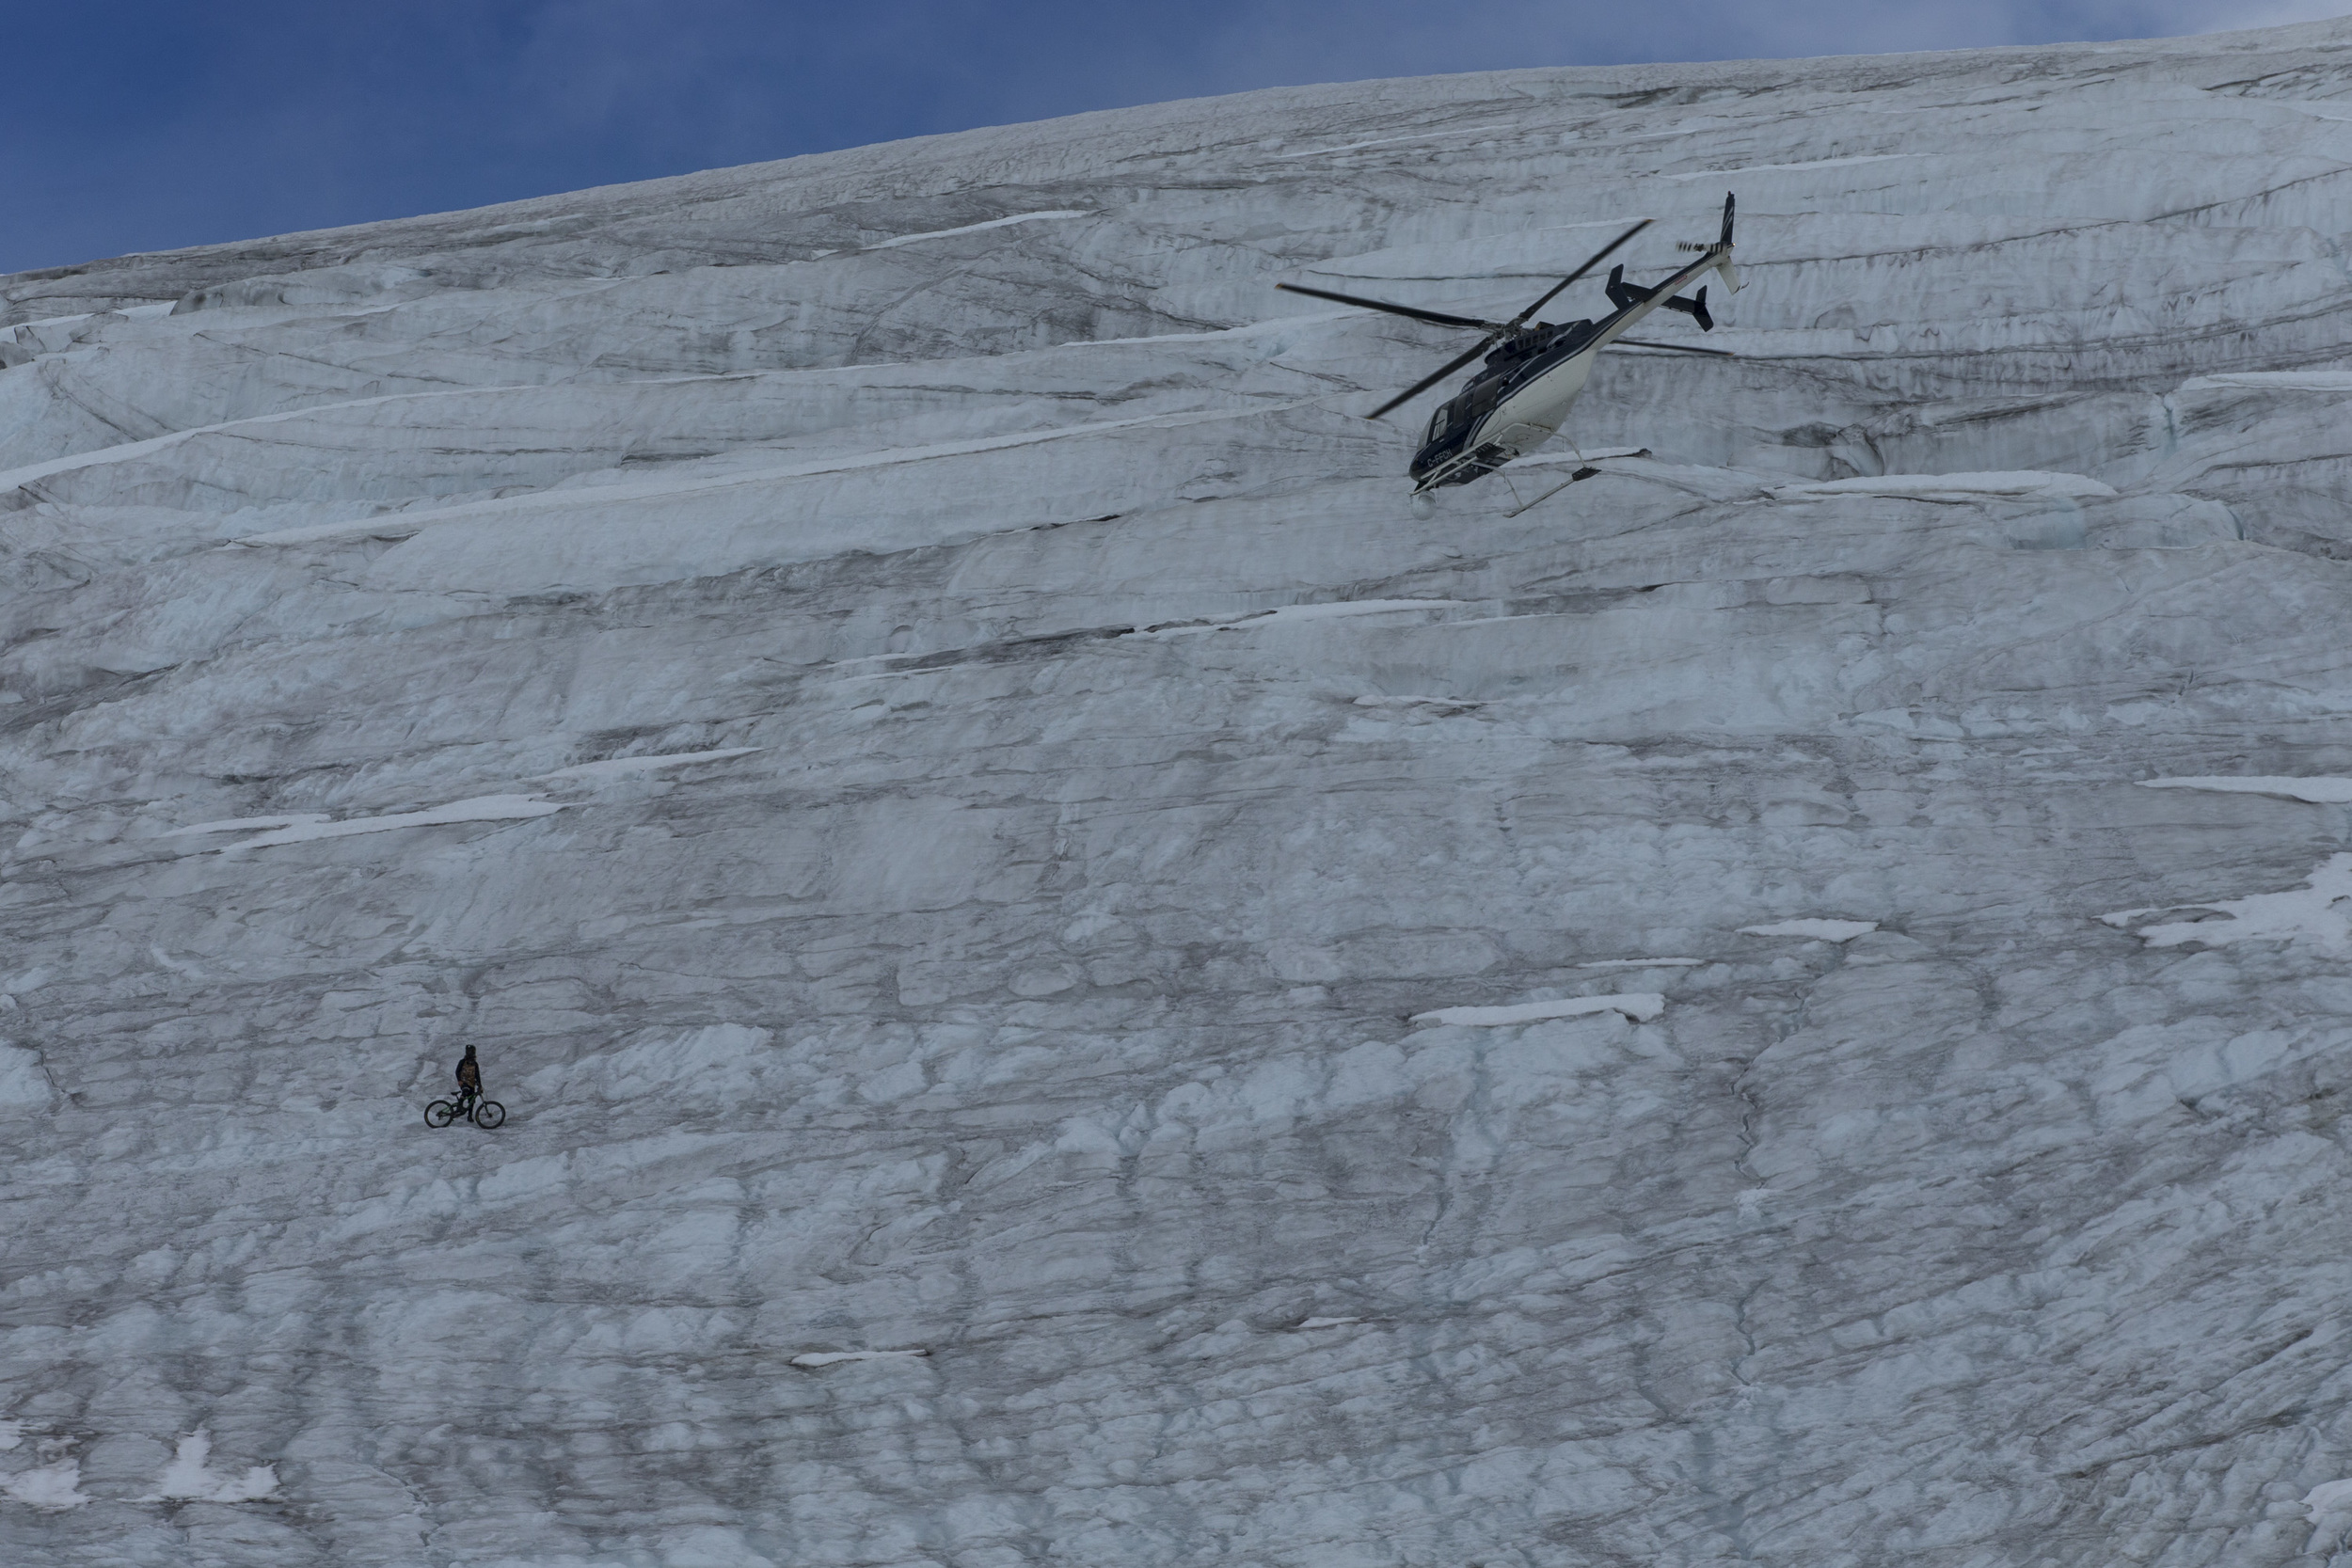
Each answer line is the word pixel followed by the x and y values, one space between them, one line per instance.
pixel 1001 874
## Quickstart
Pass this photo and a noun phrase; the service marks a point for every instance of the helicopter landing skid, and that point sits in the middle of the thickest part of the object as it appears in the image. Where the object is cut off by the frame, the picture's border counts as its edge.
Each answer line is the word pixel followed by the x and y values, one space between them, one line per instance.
pixel 1586 471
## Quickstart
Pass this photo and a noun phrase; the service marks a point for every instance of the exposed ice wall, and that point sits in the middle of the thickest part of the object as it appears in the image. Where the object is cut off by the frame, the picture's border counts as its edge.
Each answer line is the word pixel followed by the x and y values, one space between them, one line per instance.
pixel 1072 981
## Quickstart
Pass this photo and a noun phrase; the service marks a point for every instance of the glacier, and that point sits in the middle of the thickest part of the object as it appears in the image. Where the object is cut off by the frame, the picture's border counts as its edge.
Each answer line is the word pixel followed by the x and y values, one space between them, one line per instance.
pixel 1075 985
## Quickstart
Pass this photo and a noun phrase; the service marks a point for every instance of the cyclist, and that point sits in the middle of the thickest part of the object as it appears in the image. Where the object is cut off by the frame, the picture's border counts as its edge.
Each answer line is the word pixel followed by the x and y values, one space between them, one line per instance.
pixel 468 1082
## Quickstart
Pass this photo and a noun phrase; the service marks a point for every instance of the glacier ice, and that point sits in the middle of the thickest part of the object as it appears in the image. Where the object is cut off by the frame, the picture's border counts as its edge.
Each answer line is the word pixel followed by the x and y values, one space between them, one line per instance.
pixel 1639 1006
pixel 2318 791
pixel 896 698
pixel 48 1488
pixel 1813 929
pixel 2308 912
pixel 188 1477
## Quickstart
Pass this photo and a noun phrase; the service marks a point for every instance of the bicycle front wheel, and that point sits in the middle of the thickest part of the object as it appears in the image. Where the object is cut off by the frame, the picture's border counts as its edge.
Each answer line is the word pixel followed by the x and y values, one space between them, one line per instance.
pixel 439 1114
pixel 488 1114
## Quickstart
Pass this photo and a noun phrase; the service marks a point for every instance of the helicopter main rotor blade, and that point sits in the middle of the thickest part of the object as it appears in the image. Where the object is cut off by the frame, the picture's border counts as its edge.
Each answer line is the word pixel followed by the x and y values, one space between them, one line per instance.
pixel 1434 377
pixel 1597 257
pixel 1495 329
pixel 1678 348
pixel 1437 317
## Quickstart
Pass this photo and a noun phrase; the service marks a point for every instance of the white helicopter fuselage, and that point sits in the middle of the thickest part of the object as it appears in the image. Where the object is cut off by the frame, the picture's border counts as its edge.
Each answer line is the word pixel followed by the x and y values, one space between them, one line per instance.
pixel 1540 383
pixel 1533 413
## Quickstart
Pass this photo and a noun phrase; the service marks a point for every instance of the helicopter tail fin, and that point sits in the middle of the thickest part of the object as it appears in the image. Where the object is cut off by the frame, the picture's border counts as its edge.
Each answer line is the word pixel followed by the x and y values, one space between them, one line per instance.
pixel 1622 294
pixel 1721 250
pixel 1729 274
pixel 1696 307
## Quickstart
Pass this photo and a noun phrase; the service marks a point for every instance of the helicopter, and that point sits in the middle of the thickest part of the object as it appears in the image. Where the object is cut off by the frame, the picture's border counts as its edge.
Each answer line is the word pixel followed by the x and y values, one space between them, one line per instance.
pixel 1534 370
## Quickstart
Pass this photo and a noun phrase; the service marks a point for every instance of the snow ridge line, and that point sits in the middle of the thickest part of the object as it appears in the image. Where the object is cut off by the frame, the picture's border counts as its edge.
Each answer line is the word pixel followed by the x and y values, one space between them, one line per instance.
pixel 964 228
pixel 305 827
pixel 1641 1007
pixel 32 472
pixel 407 525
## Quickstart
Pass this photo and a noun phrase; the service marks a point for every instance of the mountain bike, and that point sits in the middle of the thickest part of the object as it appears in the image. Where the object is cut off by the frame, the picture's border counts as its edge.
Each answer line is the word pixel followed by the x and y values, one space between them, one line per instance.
pixel 485 1114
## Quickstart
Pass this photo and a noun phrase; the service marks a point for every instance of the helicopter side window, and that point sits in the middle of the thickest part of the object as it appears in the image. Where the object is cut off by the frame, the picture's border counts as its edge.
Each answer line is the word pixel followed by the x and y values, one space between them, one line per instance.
pixel 1437 423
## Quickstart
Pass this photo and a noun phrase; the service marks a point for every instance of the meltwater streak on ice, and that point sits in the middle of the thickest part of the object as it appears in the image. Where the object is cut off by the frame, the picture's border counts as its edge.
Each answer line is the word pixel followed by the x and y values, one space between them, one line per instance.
pixel 878 944
pixel 2325 792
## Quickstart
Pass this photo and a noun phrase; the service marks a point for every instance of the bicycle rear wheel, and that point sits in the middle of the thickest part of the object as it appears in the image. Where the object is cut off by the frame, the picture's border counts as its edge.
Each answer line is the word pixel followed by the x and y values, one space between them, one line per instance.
pixel 439 1114
pixel 488 1114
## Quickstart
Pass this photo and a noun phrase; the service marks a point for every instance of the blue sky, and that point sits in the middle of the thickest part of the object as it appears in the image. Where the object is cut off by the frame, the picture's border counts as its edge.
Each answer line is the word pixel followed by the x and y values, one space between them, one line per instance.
pixel 142 124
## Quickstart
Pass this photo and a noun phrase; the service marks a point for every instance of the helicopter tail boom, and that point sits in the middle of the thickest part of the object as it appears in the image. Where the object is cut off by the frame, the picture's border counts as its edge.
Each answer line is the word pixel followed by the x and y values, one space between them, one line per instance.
pixel 1622 294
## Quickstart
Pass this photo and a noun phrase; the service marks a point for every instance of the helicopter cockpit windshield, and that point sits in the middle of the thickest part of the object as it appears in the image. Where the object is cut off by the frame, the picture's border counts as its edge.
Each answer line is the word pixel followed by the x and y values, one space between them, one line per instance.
pixel 1454 417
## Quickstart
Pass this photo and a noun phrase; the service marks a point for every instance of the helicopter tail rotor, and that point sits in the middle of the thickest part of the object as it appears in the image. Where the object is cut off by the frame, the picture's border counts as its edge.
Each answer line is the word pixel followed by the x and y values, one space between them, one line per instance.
pixel 1721 250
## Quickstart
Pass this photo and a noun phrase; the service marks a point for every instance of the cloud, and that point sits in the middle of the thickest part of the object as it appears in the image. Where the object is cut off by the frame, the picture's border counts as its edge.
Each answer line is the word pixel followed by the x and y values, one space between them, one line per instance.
pixel 2280 14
